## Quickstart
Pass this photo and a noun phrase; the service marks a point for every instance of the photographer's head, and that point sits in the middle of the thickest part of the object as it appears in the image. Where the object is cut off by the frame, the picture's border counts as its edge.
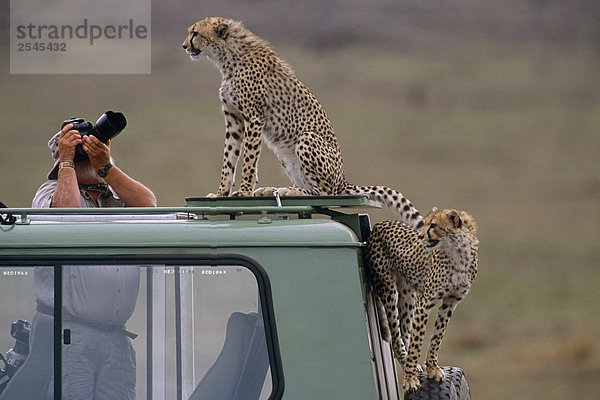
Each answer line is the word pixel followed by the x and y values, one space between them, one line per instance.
pixel 63 148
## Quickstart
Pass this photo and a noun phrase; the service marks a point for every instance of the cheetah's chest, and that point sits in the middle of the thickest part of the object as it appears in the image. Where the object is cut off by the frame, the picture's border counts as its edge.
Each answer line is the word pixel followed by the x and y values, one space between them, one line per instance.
pixel 452 275
pixel 282 122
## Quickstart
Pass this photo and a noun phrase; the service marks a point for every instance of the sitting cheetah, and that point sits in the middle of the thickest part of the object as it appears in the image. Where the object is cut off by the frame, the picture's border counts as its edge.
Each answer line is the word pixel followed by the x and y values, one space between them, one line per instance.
pixel 263 100
pixel 412 271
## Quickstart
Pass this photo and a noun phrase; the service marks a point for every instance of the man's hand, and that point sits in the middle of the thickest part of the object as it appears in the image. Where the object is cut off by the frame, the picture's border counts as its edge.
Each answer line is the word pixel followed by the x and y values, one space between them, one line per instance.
pixel 98 152
pixel 68 140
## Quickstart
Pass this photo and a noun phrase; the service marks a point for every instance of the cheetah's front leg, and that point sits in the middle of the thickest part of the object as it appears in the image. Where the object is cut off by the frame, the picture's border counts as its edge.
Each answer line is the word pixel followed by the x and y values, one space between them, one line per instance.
pixel 444 314
pixel 412 368
pixel 234 135
pixel 252 146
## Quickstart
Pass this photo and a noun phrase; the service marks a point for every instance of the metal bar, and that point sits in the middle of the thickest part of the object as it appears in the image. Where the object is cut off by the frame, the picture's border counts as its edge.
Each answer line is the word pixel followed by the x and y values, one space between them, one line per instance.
pixel 209 206
pixel 278 199
pixel 149 334
pixel 313 201
pixel 187 330
pixel 178 332
pixel 58 305
pixel 24 212
pixel 157 329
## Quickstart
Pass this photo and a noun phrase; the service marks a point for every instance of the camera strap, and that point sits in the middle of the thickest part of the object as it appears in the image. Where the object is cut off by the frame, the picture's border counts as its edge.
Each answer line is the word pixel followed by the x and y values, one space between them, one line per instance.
pixel 98 187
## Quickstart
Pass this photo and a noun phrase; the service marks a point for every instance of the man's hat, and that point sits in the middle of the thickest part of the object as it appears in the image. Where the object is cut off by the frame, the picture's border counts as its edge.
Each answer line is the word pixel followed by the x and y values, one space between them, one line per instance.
pixel 53 145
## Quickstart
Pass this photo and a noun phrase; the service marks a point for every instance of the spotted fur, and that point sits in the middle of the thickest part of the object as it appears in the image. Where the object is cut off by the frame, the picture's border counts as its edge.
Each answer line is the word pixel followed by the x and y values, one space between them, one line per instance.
pixel 412 271
pixel 262 100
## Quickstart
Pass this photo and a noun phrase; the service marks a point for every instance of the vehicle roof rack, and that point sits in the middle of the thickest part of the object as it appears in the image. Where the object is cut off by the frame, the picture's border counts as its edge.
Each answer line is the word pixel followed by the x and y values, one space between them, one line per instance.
pixel 303 206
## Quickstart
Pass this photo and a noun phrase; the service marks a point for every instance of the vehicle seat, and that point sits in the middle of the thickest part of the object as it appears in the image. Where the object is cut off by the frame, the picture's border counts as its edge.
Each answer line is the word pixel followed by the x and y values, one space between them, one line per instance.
pixel 239 371
pixel 32 379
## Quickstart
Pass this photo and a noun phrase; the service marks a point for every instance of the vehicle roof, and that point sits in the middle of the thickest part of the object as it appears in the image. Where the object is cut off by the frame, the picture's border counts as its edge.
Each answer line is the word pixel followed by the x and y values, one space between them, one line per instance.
pixel 206 223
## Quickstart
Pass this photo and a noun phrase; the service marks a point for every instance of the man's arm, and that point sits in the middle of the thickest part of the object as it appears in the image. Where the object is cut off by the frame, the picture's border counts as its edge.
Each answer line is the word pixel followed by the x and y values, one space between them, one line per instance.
pixel 131 192
pixel 67 189
pixel 66 194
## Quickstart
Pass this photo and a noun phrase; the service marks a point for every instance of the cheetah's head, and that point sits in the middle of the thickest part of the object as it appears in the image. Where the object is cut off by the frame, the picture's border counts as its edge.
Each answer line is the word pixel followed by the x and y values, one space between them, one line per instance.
pixel 205 34
pixel 440 227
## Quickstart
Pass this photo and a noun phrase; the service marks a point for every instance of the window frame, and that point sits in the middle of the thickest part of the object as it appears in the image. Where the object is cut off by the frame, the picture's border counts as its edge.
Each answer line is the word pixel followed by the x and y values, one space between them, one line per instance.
pixel 213 260
pixel 382 355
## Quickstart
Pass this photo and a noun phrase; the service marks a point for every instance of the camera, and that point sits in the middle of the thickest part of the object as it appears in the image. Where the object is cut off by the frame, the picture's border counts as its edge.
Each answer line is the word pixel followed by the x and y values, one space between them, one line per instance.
pixel 16 356
pixel 109 125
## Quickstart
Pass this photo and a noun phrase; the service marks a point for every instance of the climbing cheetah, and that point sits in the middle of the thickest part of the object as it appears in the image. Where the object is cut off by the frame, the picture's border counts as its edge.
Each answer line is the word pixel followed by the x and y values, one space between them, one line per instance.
pixel 263 100
pixel 412 271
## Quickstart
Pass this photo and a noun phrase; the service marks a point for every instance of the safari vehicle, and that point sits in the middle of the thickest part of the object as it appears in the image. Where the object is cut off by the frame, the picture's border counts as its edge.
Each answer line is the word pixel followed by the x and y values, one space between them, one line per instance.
pixel 245 298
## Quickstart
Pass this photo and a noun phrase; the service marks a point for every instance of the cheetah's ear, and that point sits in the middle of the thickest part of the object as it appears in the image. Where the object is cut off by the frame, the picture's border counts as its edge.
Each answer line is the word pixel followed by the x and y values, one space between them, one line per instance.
pixel 455 219
pixel 223 31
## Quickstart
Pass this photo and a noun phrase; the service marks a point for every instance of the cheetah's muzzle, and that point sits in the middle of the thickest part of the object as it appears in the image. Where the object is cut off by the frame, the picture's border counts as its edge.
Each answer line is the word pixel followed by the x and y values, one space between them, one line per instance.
pixel 431 245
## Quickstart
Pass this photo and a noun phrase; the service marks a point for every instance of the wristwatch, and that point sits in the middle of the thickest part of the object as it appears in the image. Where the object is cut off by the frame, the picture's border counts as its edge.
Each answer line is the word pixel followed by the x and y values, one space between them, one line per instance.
pixel 102 172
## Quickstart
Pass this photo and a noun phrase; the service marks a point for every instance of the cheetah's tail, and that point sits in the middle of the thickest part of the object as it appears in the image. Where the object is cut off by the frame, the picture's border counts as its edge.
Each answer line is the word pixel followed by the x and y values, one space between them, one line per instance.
pixel 393 199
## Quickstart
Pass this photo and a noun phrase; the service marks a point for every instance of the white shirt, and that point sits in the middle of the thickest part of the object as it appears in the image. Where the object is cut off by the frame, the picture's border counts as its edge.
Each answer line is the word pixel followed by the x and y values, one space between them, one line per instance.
pixel 97 293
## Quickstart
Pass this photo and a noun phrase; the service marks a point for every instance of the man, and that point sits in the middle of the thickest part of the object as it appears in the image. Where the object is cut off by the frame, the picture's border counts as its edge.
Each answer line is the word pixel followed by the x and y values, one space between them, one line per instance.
pixel 99 363
pixel 89 183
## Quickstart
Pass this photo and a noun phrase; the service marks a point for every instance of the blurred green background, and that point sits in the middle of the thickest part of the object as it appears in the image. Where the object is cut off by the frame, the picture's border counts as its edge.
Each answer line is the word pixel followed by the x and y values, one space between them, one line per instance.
pixel 488 106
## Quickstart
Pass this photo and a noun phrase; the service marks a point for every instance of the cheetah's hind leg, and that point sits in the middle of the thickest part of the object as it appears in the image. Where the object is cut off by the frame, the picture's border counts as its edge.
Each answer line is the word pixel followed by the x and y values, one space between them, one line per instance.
pixel 319 166
pixel 388 296
pixel 399 347
pixel 407 301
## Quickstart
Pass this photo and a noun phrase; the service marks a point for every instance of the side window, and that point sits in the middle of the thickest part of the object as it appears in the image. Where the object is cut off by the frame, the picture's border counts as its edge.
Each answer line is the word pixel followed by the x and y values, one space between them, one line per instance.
pixel 17 309
pixel 153 331
pixel 220 308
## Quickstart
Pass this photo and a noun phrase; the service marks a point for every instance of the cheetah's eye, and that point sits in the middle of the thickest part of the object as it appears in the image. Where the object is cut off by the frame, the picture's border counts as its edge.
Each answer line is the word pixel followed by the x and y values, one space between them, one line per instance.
pixel 431 227
pixel 194 34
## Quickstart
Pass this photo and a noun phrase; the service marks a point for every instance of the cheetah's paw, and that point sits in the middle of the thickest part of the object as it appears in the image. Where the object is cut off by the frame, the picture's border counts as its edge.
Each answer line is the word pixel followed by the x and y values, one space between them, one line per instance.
pixel 411 383
pixel 264 192
pixel 436 373
pixel 241 193
pixel 291 191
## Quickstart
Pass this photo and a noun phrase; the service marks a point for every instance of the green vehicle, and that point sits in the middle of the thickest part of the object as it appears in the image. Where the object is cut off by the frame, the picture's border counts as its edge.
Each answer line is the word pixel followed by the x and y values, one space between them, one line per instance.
pixel 248 298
